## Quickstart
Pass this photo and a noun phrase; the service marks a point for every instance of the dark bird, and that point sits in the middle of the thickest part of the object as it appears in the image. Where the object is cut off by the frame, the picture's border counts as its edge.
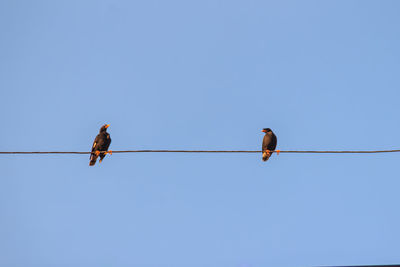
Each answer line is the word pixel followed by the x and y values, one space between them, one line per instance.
pixel 268 144
pixel 101 143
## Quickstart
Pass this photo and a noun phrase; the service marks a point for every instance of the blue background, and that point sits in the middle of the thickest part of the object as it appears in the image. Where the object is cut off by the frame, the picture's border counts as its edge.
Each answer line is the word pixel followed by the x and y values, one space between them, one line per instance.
pixel 206 74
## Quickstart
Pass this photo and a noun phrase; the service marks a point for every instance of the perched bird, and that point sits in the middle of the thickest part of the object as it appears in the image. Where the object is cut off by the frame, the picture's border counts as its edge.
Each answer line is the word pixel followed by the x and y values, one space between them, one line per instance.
pixel 101 143
pixel 268 144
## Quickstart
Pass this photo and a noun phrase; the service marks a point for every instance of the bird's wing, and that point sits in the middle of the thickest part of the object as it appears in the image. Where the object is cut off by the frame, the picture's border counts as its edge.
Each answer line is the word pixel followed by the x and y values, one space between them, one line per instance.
pixel 273 142
pixel 93 157
pixel 95 143
pixel 266 142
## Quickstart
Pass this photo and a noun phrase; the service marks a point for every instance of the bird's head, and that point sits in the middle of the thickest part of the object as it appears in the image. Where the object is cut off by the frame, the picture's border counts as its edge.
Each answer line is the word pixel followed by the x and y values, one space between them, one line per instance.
pixel 266 130
pixel 104 127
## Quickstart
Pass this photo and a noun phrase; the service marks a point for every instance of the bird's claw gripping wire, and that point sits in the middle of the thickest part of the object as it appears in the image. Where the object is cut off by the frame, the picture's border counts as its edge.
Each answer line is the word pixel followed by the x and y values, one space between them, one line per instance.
pixel 97 153
pixel 269 152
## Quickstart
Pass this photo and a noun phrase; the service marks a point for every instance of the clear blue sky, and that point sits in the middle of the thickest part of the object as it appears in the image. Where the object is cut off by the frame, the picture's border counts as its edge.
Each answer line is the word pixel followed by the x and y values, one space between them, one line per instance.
pixel 206 74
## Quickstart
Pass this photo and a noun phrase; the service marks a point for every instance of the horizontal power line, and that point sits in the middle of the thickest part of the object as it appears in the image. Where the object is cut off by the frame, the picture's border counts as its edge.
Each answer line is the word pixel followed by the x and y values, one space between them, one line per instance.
pixel 209 151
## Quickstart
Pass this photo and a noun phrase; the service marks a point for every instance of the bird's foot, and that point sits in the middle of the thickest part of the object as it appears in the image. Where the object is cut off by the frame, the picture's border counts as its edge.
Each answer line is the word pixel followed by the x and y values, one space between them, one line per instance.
pixel 277 152
pixel 268 152
pixel 108 152
pixel 97 153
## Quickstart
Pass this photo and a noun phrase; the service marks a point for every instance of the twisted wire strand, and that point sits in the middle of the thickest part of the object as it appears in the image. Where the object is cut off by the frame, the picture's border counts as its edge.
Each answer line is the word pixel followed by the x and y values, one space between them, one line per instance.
pixel 209 151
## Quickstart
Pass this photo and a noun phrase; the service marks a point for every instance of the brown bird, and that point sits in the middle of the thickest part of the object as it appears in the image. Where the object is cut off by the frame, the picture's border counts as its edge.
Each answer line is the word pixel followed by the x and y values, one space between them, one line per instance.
pixel 101 143
pixel 268 144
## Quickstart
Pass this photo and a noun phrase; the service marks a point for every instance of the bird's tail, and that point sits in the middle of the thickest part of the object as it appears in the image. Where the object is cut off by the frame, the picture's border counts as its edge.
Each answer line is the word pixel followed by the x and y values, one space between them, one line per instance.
pixel 93 159
pixel 265 156
pixel 102 155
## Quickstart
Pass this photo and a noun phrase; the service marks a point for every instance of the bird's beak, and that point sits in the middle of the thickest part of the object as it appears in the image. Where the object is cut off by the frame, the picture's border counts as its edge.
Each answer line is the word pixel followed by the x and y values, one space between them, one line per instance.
pixel 108 125
pixel 264 131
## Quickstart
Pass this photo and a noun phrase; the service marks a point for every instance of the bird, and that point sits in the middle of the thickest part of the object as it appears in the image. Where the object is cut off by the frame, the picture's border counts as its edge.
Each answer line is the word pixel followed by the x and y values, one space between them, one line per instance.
pixel 268 144
pixel 101 143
